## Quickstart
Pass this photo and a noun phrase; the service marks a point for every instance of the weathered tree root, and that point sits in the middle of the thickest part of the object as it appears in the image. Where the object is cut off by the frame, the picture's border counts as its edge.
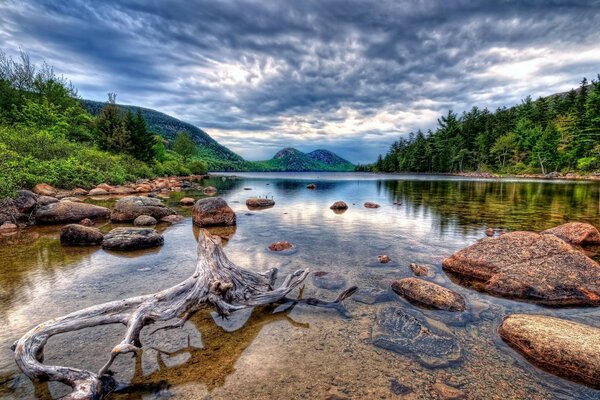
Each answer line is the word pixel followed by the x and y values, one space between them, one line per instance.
pixel 217 282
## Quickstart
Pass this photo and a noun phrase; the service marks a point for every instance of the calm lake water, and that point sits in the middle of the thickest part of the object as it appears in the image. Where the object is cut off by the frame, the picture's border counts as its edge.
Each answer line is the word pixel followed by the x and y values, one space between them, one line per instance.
pixel 302 353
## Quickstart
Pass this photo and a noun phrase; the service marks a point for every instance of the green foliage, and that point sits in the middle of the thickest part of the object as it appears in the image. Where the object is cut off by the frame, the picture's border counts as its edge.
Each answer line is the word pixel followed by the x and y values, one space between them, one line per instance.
pixel 557 133
pixel 198 167
pixel 184 145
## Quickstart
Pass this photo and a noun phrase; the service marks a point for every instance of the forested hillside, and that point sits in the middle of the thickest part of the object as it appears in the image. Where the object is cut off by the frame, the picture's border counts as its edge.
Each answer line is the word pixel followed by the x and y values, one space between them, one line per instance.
pixel 290 159
pixel 47 136
pixel 218 157
pixel 555 133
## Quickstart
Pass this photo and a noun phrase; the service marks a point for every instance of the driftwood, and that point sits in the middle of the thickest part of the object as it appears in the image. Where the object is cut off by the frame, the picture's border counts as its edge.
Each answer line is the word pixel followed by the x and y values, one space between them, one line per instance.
pixel 216 282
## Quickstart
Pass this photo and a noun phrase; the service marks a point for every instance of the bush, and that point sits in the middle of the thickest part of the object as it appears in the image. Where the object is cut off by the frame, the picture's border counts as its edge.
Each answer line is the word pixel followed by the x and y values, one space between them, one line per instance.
pixel 198 167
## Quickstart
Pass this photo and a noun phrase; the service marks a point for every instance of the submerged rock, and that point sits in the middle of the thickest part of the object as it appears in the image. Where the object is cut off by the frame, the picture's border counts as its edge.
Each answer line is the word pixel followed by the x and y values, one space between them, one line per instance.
pixel 210 190
pixel 562 347
pixel 447 392
pixel 130 207
pixel 422 270
pixel 259 202
pixel 213 211
pixel 397 330
pixel 132 239
pixel 428 293
pixel 43 189
pixel 370 204
pixel 328 280
pixel 531 266
pixel 144 220
pixel 79 235
pixel 69 211
pixel 172 219
pixel 576 233
pixel 280 246
pixel 339 205
pixel 384 259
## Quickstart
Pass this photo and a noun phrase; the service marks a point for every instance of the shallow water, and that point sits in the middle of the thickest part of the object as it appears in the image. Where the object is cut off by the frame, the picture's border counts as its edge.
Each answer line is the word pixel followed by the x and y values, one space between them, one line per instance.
pixel 304 352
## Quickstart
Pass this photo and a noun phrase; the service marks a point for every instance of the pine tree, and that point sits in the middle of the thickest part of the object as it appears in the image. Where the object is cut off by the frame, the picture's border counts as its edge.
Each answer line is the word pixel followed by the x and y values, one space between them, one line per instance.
pixel 142 140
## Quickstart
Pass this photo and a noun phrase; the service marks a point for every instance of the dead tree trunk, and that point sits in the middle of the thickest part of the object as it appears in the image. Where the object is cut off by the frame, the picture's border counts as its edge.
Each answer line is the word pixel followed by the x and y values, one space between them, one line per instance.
pixel 216 282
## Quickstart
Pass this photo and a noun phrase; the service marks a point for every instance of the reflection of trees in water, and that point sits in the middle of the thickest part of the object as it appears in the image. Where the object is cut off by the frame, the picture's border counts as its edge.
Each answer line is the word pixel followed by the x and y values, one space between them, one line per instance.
pixel 468 205
pixel 28 253
pixel 209 364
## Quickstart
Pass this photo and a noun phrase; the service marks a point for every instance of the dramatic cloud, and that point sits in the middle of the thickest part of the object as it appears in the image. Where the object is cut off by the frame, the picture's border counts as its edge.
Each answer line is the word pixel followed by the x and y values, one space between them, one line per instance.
pixel 350 76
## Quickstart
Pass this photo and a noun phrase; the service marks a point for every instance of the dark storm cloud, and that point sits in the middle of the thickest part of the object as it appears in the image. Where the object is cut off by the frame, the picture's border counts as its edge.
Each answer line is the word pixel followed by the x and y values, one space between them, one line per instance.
pixel 347 75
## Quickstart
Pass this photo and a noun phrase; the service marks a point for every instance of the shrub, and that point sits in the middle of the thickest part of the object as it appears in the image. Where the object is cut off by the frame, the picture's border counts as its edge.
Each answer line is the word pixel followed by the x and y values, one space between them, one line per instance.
pixel 198 167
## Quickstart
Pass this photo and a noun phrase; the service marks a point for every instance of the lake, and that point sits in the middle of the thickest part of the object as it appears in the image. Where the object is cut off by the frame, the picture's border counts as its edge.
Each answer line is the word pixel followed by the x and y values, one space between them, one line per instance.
pixel 303 352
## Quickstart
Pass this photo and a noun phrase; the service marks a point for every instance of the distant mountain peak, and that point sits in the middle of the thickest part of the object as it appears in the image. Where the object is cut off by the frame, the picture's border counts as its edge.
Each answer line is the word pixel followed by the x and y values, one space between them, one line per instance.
pixel 327 157
pixel 291 159
pixel 287 152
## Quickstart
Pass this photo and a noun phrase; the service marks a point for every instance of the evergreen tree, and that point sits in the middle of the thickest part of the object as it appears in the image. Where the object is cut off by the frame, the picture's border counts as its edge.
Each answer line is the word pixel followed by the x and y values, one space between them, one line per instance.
pixel 184 146
pixel 142 140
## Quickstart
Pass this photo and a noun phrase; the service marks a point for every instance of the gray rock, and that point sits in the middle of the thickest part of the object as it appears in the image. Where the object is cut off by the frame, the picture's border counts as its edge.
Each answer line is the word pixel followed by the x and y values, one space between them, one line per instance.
pixel 68 211
pixel 79 235
pixel 130 207
pixel 397 330
pixel 25 200
pixel 132 239
pixel 45 200
pixel 144 220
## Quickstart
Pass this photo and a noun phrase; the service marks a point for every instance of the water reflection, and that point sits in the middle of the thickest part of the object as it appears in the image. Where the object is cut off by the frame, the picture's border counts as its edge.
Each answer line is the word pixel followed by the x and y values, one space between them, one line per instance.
pixel 272 355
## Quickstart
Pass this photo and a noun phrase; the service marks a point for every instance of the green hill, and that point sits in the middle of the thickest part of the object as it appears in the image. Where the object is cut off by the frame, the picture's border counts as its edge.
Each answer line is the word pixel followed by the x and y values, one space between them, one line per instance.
pixel 290 159
pixel 218 157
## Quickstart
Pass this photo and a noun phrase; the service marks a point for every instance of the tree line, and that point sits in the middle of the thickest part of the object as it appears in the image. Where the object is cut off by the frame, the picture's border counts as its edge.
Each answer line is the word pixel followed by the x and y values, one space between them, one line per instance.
pixel 555 133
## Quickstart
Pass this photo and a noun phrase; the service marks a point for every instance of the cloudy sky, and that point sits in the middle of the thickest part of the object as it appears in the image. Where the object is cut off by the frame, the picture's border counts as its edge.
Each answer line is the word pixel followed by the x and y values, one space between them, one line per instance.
pixel 349 76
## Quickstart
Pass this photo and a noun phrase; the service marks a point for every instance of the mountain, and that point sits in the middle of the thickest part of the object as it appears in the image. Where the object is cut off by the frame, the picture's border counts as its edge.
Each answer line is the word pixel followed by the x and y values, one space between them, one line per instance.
pixel 217 156
pixel 290 159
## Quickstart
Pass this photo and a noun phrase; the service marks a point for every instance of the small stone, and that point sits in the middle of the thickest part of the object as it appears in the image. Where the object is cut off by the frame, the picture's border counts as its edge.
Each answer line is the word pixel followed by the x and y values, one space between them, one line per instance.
pixel 422 270
pixel 311 186
pixel 8 227
pixel 429 294
pixel 187 201
pixel 43 189
pixel 384 259
pixel 105 187
pixel 399 389
pixel 489 232
pixel 210 190
pixel 369 204
pixel 45 200
pixel 339 205
pixel 447 392
pixel 98 192
pixel 86 222
pixel 144 220
pixel 79 192
pixel 143 188
pixel 280 246
pixel 172 219
pixel 259 202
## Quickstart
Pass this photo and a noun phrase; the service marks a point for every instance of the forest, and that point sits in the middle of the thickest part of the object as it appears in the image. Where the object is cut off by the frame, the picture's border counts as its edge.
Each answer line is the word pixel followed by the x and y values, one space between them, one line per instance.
pixel 46 135
pixel 556 133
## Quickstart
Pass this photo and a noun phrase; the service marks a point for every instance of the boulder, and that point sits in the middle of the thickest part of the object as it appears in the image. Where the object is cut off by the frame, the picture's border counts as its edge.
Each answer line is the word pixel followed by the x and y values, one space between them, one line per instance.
pixel 530 266
pixel 213 211
pixel 25 200
pixel 98 192
pixel 172 219
pixel 121 190
pixel 132 239
pixel 144 220
pixel 143 188
pixel 43 189
pixel 577 233
pixel 79 235
pixel 339 205
pixel 210 190
pixel 258 202
pixel 422 270
pixel 69 211
pixel 79 192
pixel 397 330
pixel 384 259
pixel 429 294
pixel 369 204
pixel 105 187
pixel 130 207
pixel 8 211
pixel 565 348
pixel 45 200
pixel 8 227
pixel 187 201
pixel 280 246
pixel 328 280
